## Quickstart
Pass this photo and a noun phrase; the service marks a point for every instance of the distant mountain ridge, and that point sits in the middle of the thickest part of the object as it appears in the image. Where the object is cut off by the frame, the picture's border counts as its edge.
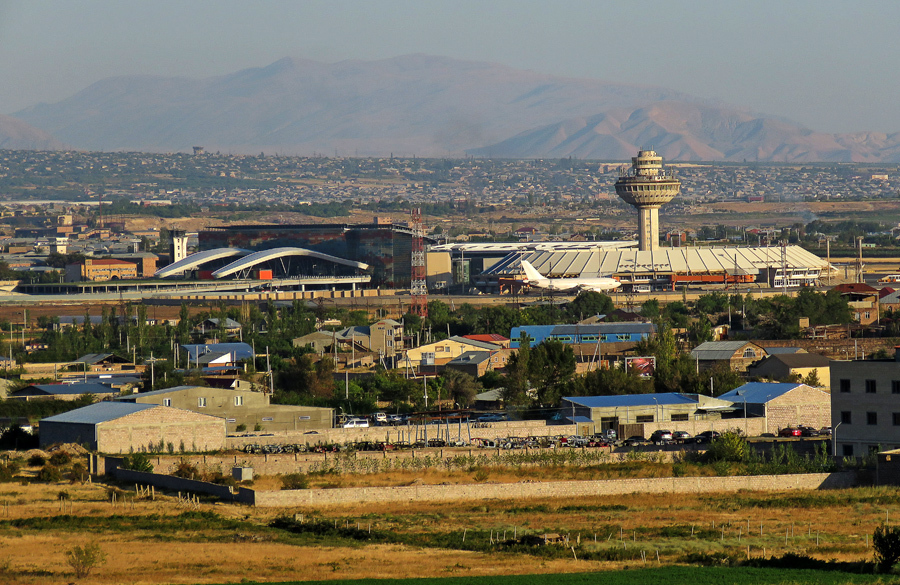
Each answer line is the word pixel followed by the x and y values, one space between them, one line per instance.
pixel 691 132
pixel 428 106
pixel 17 135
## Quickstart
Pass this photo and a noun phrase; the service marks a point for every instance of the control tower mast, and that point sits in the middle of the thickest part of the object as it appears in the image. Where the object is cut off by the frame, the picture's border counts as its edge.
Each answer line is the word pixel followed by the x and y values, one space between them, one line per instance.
pixel 647 186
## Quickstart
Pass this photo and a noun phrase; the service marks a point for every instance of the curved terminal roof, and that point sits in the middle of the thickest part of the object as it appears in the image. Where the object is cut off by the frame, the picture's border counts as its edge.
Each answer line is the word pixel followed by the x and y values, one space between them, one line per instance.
pixel 588 263
pixel 265 255
pixel 195 261
pixel 508 247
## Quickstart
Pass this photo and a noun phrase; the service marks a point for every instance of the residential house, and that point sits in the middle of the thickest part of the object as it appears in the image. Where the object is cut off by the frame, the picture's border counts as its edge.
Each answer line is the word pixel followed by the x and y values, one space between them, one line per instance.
pixel 478 363
pixel 786 365
pixel 863 300
pixel 64 392
pixel 737 355
pixel 440 353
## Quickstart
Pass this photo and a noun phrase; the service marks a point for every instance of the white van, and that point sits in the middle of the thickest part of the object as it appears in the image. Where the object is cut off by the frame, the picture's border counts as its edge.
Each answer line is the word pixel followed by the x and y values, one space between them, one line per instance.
pixel 356 423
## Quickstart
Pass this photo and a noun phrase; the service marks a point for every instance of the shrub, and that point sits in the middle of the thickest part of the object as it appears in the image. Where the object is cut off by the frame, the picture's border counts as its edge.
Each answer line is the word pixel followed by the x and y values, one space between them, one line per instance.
pixel 294 481
pixel 886 542
pixel 137 462
pixel 9 470
pixel 83 559
pixel 240 428
pixel 186 469
pixel 49 473
pixel 77 472
pixel 729 446
pixel 60 458
pixel 36 460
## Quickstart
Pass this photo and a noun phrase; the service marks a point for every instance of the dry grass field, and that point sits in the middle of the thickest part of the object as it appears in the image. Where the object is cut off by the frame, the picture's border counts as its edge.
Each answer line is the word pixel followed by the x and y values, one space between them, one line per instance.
pixel 167 541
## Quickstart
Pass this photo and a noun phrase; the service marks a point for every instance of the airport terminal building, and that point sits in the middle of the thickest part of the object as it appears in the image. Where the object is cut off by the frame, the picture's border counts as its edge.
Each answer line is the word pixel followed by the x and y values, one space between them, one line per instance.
pixel 386 248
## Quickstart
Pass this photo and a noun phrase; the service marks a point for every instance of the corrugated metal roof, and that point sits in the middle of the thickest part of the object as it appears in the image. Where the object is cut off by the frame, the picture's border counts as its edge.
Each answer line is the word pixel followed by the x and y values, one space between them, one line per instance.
pixel 719 350
pixel 68 389
pixel 630 400
pixel 589 262
pixel 759 392
pixel 163 392
pixel 99 413
pixel 470 357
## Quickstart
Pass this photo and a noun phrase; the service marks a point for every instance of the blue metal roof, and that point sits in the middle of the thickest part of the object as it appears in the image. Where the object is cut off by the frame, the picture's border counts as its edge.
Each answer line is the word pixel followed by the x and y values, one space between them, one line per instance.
pixel 758 392
pixel 98 413
pixel 630 400
pixel 64 389
pixel 577 419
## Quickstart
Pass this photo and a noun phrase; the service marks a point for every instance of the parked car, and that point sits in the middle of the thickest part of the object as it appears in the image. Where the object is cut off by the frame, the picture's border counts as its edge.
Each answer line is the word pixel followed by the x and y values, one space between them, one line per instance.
pixel 809 432
pixel 491 417
pixel 706 437
pixel 682 437
pixel 661 436
pixel 790 432
pixel 395 419
pixel 635 441
pixel 826 431
pixel 380 418
pixel 356 423
pixel 608 436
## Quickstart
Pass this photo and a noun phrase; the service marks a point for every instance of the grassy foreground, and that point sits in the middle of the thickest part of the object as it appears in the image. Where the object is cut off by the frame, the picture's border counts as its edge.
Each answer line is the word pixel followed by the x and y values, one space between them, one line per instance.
pixel 666 576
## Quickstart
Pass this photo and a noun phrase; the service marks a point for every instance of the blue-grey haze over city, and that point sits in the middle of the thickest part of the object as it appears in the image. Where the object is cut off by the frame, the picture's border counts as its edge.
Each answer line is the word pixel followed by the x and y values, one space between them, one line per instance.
pixel 825 65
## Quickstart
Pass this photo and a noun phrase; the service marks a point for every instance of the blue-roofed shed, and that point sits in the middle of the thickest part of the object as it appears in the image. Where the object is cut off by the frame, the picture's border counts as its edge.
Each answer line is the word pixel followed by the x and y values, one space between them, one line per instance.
pixel 666 410
pixel 592 333
pixel 783 404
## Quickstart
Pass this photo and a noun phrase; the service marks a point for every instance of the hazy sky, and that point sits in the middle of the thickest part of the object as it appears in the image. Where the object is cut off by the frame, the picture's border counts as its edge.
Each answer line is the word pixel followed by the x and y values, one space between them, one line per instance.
pixel 828 64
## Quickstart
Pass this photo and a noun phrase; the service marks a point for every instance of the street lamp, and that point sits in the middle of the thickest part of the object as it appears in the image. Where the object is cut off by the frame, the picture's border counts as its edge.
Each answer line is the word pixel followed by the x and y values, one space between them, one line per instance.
pixel 834 440
pixel 744 396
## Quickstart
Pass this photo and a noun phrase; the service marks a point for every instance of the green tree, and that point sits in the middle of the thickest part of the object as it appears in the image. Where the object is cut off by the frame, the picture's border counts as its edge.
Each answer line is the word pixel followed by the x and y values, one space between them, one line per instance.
pixel 886 543
pixel 550 366
pixel 460 386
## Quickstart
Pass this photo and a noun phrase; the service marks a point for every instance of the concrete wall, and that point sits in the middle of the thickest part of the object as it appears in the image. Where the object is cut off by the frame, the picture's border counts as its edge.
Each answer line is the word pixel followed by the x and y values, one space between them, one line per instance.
pixel 803 405
pixel 138 431
pixel 504 491
pixel 176 484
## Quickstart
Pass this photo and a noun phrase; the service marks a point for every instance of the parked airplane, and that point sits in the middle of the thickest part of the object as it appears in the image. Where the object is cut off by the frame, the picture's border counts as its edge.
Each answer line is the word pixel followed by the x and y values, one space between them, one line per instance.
pixel 536 279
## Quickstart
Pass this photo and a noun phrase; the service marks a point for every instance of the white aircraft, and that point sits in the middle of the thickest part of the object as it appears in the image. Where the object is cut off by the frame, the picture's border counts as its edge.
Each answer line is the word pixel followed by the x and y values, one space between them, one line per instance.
pixel 536 279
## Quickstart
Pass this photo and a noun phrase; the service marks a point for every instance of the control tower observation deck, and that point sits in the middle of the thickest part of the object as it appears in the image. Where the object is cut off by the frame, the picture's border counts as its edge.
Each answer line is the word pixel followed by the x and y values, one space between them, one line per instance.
pixel 647 186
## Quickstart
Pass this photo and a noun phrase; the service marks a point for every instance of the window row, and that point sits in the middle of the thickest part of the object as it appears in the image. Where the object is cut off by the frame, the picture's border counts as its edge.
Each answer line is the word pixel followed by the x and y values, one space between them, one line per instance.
pixel 871 418
pixel 871 386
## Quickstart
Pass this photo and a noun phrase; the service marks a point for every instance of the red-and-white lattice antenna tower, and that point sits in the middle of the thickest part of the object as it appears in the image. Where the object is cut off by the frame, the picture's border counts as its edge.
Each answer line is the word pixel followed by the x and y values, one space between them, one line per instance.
pixel 418 288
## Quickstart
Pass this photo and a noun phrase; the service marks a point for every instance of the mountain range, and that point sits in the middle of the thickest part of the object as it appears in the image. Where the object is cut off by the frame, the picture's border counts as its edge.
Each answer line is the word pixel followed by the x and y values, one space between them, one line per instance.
pixel 426 106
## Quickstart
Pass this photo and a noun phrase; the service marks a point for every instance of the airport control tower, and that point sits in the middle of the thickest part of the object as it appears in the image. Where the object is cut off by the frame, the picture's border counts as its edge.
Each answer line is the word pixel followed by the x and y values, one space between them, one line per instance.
pixel 647 186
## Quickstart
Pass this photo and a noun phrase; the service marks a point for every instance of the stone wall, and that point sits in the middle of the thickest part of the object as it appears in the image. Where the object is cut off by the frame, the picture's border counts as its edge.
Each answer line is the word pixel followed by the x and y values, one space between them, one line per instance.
pixel 527 428
pixel 183 429
pixel 556 489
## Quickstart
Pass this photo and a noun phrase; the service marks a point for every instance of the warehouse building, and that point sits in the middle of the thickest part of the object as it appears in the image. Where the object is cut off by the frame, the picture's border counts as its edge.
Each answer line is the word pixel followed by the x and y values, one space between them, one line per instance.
pixel 665 268
pixel 117 427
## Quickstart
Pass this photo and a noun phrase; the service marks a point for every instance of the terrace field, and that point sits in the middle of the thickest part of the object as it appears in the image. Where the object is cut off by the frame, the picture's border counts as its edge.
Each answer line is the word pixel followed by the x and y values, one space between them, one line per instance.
pixel 167 540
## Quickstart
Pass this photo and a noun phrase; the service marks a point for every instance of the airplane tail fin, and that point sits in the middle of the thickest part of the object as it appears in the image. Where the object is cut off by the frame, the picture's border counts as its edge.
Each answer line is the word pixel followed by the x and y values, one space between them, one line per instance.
pixel 531 272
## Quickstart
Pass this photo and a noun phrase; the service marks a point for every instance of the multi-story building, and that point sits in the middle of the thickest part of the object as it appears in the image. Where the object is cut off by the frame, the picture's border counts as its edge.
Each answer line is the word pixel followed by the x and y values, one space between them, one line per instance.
pixel 865 405
pixel 100 269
